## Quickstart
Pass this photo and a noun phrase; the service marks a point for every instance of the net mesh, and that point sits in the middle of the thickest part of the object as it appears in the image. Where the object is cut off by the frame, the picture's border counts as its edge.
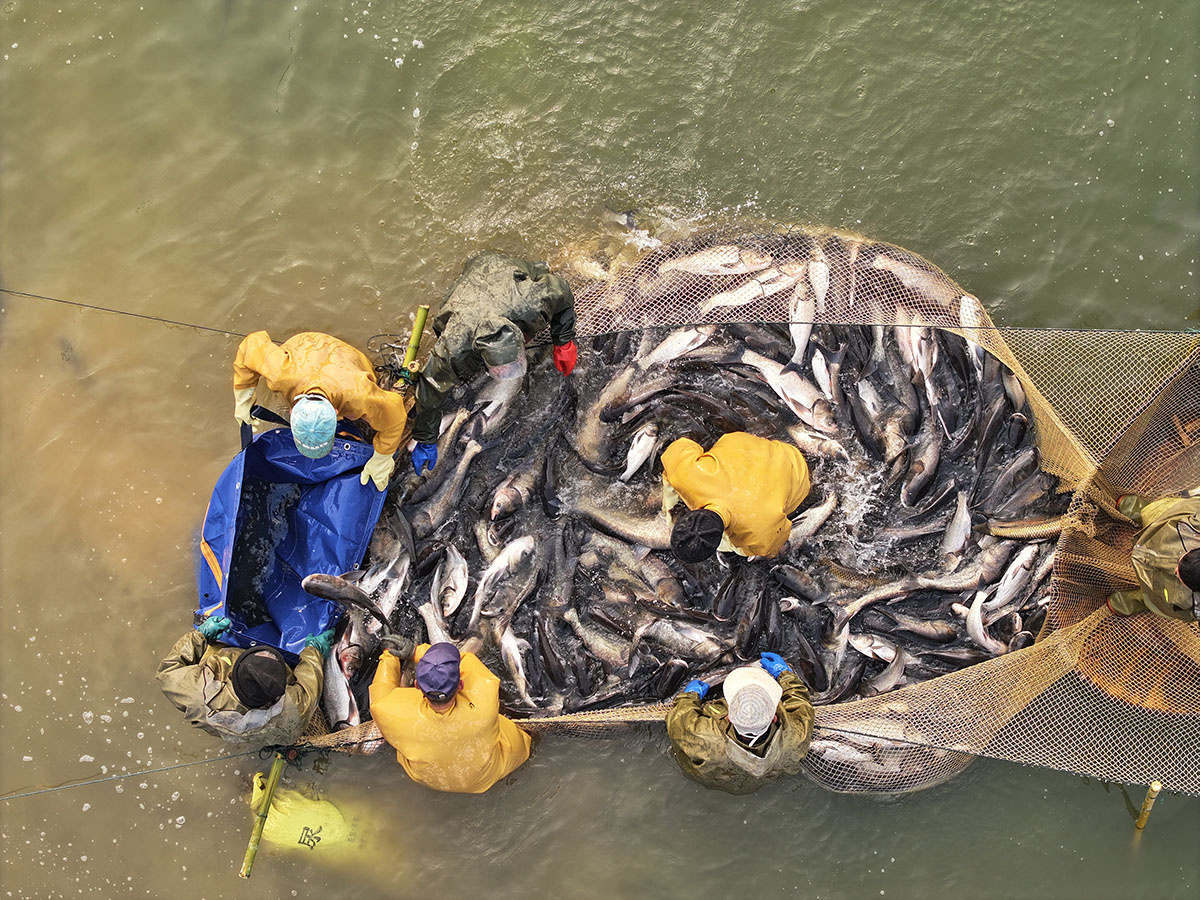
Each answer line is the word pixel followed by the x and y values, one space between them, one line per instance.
pixel 1114 412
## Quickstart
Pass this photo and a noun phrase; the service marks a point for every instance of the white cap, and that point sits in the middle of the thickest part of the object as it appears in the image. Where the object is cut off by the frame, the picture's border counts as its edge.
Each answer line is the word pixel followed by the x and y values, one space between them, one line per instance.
pixel 752 696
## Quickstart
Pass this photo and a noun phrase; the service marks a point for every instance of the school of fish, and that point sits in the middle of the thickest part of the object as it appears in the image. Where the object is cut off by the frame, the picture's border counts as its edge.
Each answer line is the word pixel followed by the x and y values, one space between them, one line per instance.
pixel 538 541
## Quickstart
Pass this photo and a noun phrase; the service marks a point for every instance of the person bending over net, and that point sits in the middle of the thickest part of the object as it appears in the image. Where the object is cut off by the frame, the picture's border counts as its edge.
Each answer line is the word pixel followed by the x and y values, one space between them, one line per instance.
pixel 447 731
pixel 497 304
pixel 243 696
pixel 321 379
pixel 759 730
pixel 738 494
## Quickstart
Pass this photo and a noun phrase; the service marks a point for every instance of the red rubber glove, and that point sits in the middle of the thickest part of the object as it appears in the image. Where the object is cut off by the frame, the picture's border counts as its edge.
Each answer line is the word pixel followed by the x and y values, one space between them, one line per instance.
pixel 564 357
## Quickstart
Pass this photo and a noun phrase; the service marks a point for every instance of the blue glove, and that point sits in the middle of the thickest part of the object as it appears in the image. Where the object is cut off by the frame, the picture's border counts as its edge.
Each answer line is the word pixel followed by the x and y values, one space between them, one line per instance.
pixel 322 642
pixel 697 687
pixel 424 455
pixel 774 664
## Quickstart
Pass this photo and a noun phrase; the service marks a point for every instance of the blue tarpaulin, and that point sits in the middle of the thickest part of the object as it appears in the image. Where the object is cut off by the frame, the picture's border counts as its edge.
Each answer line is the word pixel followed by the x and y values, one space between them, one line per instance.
pixel 276 516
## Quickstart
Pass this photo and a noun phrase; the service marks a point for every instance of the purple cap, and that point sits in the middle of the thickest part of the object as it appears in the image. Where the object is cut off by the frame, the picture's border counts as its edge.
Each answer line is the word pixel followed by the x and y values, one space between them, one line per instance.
pixel 437 672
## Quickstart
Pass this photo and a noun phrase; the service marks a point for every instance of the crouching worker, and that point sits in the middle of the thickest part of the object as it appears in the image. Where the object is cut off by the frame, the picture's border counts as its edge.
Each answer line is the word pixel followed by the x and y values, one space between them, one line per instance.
pixel 447 730
pixel 495 306
pixel 758 731
pixel 739 495
pixel 243 696
pixel 1166 557
pixel 321 379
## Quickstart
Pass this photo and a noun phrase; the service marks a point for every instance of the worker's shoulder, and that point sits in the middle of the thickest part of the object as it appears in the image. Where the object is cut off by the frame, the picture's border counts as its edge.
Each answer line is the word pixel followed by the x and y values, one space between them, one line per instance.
pixel 1170 508
pixel 470 664
pixel 744 441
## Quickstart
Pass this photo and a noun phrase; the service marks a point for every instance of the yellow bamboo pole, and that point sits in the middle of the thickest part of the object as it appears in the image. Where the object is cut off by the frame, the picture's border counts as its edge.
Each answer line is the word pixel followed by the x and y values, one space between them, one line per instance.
pixel 1147 805
pixel 260 817
pixel 414 340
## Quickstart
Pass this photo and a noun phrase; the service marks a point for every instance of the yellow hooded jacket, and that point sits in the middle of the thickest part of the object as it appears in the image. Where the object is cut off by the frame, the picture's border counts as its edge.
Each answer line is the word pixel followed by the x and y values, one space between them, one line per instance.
pixel 315 363
pixel 752 483
pixel 465 749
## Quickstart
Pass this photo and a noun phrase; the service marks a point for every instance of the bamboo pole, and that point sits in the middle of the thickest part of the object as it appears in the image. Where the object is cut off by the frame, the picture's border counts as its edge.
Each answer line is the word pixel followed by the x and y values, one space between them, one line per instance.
pixel 414 340
pixel 260 818
pixel 1147 805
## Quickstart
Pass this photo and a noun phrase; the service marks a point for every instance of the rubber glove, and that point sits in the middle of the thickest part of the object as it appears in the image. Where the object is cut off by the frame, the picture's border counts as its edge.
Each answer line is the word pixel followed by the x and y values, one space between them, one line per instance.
pixel 774 664
pixel 424 455
pixel 242 401
pixel 378 469
pixel 564 357
pixel 697 687
pixel 213 627
pixel 323 642
pixel 399 646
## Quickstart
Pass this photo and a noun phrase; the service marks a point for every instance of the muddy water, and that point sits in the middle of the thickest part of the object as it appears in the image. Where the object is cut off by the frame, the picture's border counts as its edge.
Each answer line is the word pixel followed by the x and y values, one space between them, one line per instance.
pixel 328 166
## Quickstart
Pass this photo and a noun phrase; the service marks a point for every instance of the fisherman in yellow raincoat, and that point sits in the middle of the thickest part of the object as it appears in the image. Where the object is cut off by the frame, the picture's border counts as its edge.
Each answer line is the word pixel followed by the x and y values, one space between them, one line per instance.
pixel 447 730
pixel 321 379
pixel 243 696
pixel 760 729
pixel 1166 557
pixel 738 494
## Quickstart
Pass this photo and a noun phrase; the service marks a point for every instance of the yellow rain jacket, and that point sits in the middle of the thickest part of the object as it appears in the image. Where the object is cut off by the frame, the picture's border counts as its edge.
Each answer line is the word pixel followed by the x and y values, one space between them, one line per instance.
pixel 752 483
pixel 315 363
pixel 1156 552
pixel 195 677
pixel 465 749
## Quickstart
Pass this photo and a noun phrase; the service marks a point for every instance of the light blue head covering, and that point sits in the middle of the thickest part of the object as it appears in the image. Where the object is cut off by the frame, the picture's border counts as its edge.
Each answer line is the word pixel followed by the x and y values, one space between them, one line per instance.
pixel 313 423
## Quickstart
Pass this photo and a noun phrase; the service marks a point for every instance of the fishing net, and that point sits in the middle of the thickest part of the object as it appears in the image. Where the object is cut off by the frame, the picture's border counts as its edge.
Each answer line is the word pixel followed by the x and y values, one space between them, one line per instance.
pixel 1098 694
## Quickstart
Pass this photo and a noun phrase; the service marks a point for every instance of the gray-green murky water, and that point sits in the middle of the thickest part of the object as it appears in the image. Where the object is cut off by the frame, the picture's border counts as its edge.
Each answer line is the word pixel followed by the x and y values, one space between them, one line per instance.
pixel 322 165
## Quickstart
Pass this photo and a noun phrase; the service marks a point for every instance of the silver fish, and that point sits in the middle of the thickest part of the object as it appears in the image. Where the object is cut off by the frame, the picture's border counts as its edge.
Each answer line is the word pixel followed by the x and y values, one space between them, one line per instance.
pixel 438 509
pixel 973 319
pixel 958 530
pixel 815 444
pixel 511 559
pixel 818 276
pixel 802 313
pixel 932 286
pixel 435 625
pixel 515 491
pixel 449 582
pixel 764 284
pixel 800 394
pixel 680 638
pixel 810 521
pixel 723 259
pixel 874 646
pixel 640 449
pixel 1016 576
pixel 511 650
pixel 605 646
pixel 652 531
pixel 923 466
pixel 336 699
pixel 976 630
pixel 892 675
pixel 675 345
pixel 982 570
